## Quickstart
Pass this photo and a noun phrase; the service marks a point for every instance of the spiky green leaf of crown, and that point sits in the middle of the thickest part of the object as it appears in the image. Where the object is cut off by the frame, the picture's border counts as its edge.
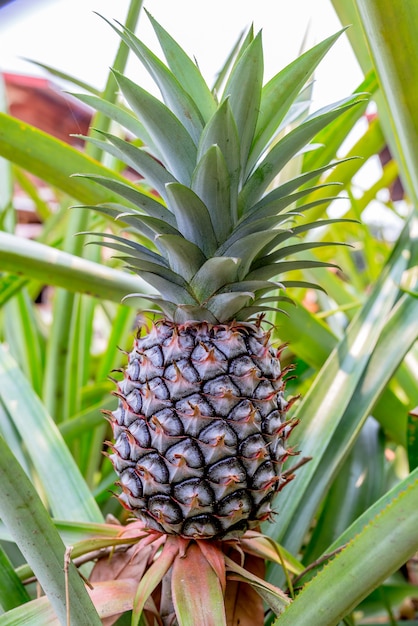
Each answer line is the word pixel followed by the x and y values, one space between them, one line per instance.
pixel 220 233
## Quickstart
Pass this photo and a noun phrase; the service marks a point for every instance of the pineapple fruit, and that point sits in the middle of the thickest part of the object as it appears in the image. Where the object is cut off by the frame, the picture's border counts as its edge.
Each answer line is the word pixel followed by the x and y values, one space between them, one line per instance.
pixel 200 429
pixel 200 433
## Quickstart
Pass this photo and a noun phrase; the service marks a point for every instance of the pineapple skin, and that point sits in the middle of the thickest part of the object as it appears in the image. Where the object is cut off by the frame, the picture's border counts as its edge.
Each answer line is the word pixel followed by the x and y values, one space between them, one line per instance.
pixel 200 430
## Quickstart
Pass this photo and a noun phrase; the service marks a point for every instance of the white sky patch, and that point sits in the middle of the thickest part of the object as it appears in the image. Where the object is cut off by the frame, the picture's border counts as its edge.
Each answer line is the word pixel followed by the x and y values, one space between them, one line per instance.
pixel 68 35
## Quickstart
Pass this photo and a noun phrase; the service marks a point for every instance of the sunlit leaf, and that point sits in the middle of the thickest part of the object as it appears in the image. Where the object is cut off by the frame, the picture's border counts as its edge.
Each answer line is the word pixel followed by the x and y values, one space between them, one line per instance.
pixel 352 574
pixel 52 160
pixel 51 458
pixel 23 512
pixel 170 137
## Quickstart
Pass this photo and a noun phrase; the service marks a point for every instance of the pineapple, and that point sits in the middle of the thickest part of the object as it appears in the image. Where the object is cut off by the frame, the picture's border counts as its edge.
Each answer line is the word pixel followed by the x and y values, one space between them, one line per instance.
pixel 200 432
pixel 200 429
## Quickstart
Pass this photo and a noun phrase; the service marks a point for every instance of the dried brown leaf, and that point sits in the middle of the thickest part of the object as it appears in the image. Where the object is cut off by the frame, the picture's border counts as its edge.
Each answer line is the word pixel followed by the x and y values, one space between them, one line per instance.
pixel 112 598
pixel 214 555
pixel 276 599
pixel 243 605
pixel 122 569
pixel 130 562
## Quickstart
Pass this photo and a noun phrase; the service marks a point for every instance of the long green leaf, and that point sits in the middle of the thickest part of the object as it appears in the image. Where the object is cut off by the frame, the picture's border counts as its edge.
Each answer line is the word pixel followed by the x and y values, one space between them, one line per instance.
pixel 52 160
pixel 287 148
pixel 324 405
pixel 275 203
pixel 212 183
pixel 374 511
pixel 282 267
pixel 192 217
pixel 364 564
pixel 359 483
pixel 23 512
pixel 170 137
pixel 140 160
pixel 55 267
pixel 128 246
pixel 67 493
pixel 145 201
pixel 116 112
pixel 12 592
pixel 376 375
pixel 279 93
pixel 378 27
pixel 243 89
pixel 64 76
pixel 186 72
pixel 221 130
pixel 24 338
pixel 76 374
pixel 174 95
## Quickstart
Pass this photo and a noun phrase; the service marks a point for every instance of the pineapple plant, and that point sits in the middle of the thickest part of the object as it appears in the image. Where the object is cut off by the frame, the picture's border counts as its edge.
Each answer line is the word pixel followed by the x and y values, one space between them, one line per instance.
pixel 163 577
pixel 200 434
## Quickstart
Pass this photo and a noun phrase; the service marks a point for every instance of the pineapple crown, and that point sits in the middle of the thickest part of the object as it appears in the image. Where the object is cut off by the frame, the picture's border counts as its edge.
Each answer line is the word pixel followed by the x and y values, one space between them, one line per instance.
pixel 218 232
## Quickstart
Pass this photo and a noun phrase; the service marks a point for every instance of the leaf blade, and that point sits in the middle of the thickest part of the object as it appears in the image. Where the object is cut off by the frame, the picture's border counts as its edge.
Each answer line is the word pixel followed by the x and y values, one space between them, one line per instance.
pixel 52 160
pixel 197 593
pixel 39 541
pixel 365 562
pixel 52 459
pixel 59 268
pixel 167 133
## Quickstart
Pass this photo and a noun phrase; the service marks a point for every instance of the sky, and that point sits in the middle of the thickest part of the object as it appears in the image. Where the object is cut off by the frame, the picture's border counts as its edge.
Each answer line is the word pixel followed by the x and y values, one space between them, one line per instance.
pixel 68 35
